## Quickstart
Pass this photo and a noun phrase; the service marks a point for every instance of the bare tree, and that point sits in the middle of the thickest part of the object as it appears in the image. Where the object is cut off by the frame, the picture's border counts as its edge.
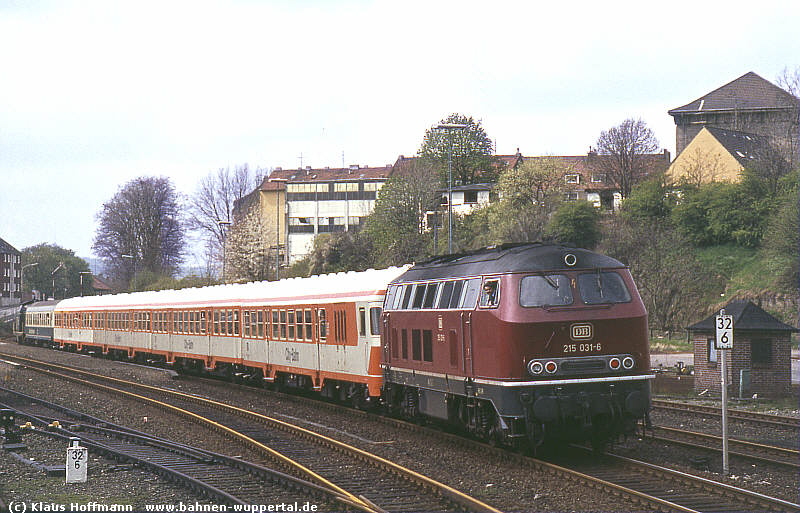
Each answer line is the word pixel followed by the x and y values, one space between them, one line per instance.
pixel 790 81
pixel 621 153
pixel 396 224
pixel 529 194
pixel 143 222
pixel 249 256
pixel 672 281
pixel 701 166
pixel 213 203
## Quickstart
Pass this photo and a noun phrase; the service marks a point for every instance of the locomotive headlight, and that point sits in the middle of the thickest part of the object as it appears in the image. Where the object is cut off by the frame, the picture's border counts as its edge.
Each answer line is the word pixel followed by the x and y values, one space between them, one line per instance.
pixel 550 367
pixel 627 363
pixel 614 363
pixel 535 367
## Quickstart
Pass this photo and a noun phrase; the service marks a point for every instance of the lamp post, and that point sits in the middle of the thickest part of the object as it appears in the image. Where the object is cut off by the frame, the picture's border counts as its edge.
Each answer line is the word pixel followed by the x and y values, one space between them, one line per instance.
pixel 81 273
pixel 450 127
pixel 221 224
pixel 22 279
pixel 133 260
pixel 53 276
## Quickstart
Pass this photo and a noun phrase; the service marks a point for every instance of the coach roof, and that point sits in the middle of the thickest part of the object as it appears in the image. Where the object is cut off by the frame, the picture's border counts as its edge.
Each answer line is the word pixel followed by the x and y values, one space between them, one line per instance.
pixel 509 258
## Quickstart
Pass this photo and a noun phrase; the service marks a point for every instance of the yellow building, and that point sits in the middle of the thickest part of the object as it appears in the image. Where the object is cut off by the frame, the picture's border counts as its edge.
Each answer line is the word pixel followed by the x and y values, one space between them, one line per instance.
pixel 716 155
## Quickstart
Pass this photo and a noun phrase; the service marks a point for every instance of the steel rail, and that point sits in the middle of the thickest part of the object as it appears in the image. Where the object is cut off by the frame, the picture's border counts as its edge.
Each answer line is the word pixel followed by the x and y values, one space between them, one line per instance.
pixel 452 494
pixel 739 415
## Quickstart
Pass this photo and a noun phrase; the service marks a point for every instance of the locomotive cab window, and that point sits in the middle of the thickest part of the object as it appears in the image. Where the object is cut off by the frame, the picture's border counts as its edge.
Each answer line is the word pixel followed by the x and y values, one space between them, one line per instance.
pixel 602 287
pixel 545 290
pixel 490 295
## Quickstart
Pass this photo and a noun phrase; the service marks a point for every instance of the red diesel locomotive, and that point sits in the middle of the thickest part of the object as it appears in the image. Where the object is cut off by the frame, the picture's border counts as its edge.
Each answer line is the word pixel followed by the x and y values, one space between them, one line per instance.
pixel 519 344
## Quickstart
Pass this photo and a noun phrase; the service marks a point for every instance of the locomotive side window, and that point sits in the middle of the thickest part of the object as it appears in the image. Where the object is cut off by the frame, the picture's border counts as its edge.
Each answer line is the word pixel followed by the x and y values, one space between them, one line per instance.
pixel 471 292
pixel 455 299
pixel 547 290
pixel 447 293
pixel 430 295
pixel 419 295
pixel 407 291
pixel 606 287
pixel 490 295
pixel 391 295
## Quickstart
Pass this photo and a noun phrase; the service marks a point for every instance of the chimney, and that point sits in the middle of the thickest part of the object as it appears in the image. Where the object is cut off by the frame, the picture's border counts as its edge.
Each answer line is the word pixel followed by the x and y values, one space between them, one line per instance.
pixel 354 167
pixel 278 169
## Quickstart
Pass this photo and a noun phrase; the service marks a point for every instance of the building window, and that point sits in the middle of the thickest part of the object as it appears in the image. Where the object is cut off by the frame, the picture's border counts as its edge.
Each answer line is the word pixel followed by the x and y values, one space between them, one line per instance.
pixel 713 354
pixel 598 178
pixel 572 178
pixel 571 196
pixel 761 351
pixel 470 196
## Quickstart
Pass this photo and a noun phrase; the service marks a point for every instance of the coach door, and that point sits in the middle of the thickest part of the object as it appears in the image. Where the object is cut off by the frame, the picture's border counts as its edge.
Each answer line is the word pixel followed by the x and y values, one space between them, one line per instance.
pixel 341 334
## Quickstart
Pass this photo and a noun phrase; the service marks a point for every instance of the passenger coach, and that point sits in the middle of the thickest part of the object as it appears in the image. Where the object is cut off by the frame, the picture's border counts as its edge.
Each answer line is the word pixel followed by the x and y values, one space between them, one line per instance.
pixel 319 333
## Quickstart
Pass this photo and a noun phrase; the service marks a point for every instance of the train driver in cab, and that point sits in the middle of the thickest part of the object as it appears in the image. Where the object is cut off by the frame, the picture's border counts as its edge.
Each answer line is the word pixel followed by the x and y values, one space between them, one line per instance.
pixel 490 294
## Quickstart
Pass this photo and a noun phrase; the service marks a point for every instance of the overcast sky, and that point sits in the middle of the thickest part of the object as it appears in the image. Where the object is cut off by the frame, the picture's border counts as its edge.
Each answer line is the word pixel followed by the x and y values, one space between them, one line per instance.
pixel 94 94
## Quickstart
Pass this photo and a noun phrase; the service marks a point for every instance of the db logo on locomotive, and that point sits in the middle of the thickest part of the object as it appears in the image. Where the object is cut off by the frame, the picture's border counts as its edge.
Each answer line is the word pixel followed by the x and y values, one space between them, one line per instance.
pixel 581 331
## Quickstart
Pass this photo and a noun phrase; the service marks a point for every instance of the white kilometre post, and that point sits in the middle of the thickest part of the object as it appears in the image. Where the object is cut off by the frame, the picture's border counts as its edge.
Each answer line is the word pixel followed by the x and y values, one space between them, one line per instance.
pixel 723 343
pixel 77 461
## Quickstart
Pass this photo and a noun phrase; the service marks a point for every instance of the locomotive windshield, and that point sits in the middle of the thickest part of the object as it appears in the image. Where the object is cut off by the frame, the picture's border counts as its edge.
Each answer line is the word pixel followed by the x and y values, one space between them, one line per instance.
pixel 545 290
pixel 602 287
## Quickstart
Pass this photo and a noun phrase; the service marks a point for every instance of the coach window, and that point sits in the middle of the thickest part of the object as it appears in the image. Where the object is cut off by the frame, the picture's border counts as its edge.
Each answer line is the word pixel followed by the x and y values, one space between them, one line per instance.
pixel 276 325
pixel 490 295
pixel 362 321
pixel 323 324
pixel 246 330
pixel 290 322
pixel 235 317
pixel 283 324
pixel 309 323
pixel 375 320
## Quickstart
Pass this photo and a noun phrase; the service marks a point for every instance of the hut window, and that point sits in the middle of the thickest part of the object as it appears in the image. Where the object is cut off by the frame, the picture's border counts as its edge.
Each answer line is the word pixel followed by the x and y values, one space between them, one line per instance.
pixel 761 351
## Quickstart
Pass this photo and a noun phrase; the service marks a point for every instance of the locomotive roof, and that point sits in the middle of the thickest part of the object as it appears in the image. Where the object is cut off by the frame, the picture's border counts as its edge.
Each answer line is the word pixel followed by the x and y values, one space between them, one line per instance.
pixel 508 258
pixel 326 288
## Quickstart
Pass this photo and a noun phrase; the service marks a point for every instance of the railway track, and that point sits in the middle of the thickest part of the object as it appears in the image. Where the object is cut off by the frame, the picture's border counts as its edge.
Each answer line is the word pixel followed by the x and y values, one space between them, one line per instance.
pixel 369 482
pixel 666 489
pixel 651 486
pixel 733 414
pixel 741 448
pixel 217 477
